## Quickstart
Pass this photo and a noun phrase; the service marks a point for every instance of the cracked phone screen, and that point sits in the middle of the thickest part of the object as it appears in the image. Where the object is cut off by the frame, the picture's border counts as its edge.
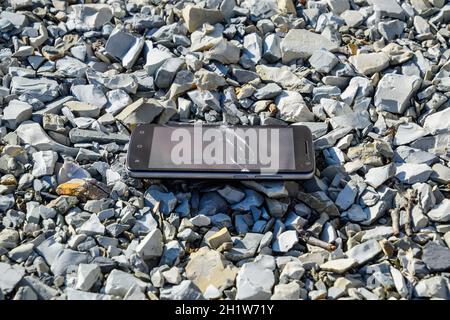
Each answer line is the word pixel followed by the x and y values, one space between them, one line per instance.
pixel 222 148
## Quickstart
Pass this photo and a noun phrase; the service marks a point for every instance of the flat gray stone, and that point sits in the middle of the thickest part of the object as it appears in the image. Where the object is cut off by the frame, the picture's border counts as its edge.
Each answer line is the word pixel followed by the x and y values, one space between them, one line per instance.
pixel 10 276
pixel 44 163
pixel 43 291
pixel 375 212
pixel 377 233
pixel 167 71
pixel 434 287
pixel 318 129
pixel 119 282
pixel 17 19
pixel 87 275
pixel 399 281
pixel 141 111
pixel 254 281
pixel 300 43
pixel 411 155
pixel 357 120
pixel 89 94
pixel 33 134
pixel 282 76
pixel 167 200
pixel 231 194
pixel 391 30
pixel 16 112
pixel 355 213
pixel 51 108
pixel 90 16
pixel 269 91
pixel 292 107
pixel 67 258
pixel 186 290
pixel 388 8
pixel 272 189
pixel 339 265
pixel 320 202
pixel 408 132
pixel 252 199
pixel 441 212
pixel 435 122
pixel 80 135
pixel 6 202
pixel 285 241
pixel 92 227
pixel 42 89
pixel 25 293
pixel 394 92
pixel 347 196
pixel 440 174
pixel 353 18
pixel 71 67
pixel 434 144
pixel 244 248
pixel 289 291
pixel 329 140
pixel 411 173
pixel 155 57
pixel 252 48
pixel 436 257
pixel 151 246
pixel 224 51
pixel 124 47
pixel 8 238
pixel 195 17
pixel 338 6
pixel 378 175
pixel 323 60
pixel 271 48
pixel 364 252
pixel 126 82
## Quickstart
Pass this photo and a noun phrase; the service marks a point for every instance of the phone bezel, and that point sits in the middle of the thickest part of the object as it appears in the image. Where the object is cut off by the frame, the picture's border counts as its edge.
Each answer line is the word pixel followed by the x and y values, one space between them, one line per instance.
pixel 139 149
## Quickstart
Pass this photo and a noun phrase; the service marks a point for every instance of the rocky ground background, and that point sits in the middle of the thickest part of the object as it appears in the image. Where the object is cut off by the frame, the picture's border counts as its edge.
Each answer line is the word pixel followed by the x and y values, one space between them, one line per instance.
pixel 370 78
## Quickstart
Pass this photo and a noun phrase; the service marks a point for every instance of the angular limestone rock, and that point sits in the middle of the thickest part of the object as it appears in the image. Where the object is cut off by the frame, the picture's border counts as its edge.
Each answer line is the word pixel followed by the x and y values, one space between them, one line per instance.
pixel 151 246
pixel 140 112
pixel 292 107
pixel 370 63
pixel 208 267
pixel 254 281
pixel 394 92
pixel 195 17
pixel 219 238
pixel 339 265
pixel 89 16
pixel 300 43
pixel 125 47
pixel 16 112
pixel 33 134
pixel 40 88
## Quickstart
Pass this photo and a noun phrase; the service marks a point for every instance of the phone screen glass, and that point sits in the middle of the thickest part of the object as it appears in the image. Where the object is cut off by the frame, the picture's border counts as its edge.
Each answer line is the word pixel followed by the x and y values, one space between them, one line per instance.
pixel 220 148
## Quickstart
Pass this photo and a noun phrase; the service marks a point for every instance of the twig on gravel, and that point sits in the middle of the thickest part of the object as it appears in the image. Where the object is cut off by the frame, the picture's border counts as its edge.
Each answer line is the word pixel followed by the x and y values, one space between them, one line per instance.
pixel 411 196
pixel 309 239
pixel 395 221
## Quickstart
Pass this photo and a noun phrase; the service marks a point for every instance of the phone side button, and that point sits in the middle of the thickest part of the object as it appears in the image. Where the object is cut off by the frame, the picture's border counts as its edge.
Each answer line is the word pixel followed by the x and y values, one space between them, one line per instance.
pixel 242 176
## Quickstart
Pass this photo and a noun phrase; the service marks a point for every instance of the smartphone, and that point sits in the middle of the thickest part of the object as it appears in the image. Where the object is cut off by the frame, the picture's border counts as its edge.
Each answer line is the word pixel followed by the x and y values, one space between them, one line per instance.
pixel 200 151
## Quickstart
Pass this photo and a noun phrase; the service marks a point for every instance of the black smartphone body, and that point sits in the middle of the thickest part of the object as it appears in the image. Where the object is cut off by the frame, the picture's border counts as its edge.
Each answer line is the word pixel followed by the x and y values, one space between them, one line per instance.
pixel 203 151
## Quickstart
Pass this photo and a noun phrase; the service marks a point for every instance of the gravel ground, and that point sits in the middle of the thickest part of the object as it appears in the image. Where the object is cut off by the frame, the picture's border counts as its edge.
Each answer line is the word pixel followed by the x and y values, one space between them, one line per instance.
pixel 370 78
